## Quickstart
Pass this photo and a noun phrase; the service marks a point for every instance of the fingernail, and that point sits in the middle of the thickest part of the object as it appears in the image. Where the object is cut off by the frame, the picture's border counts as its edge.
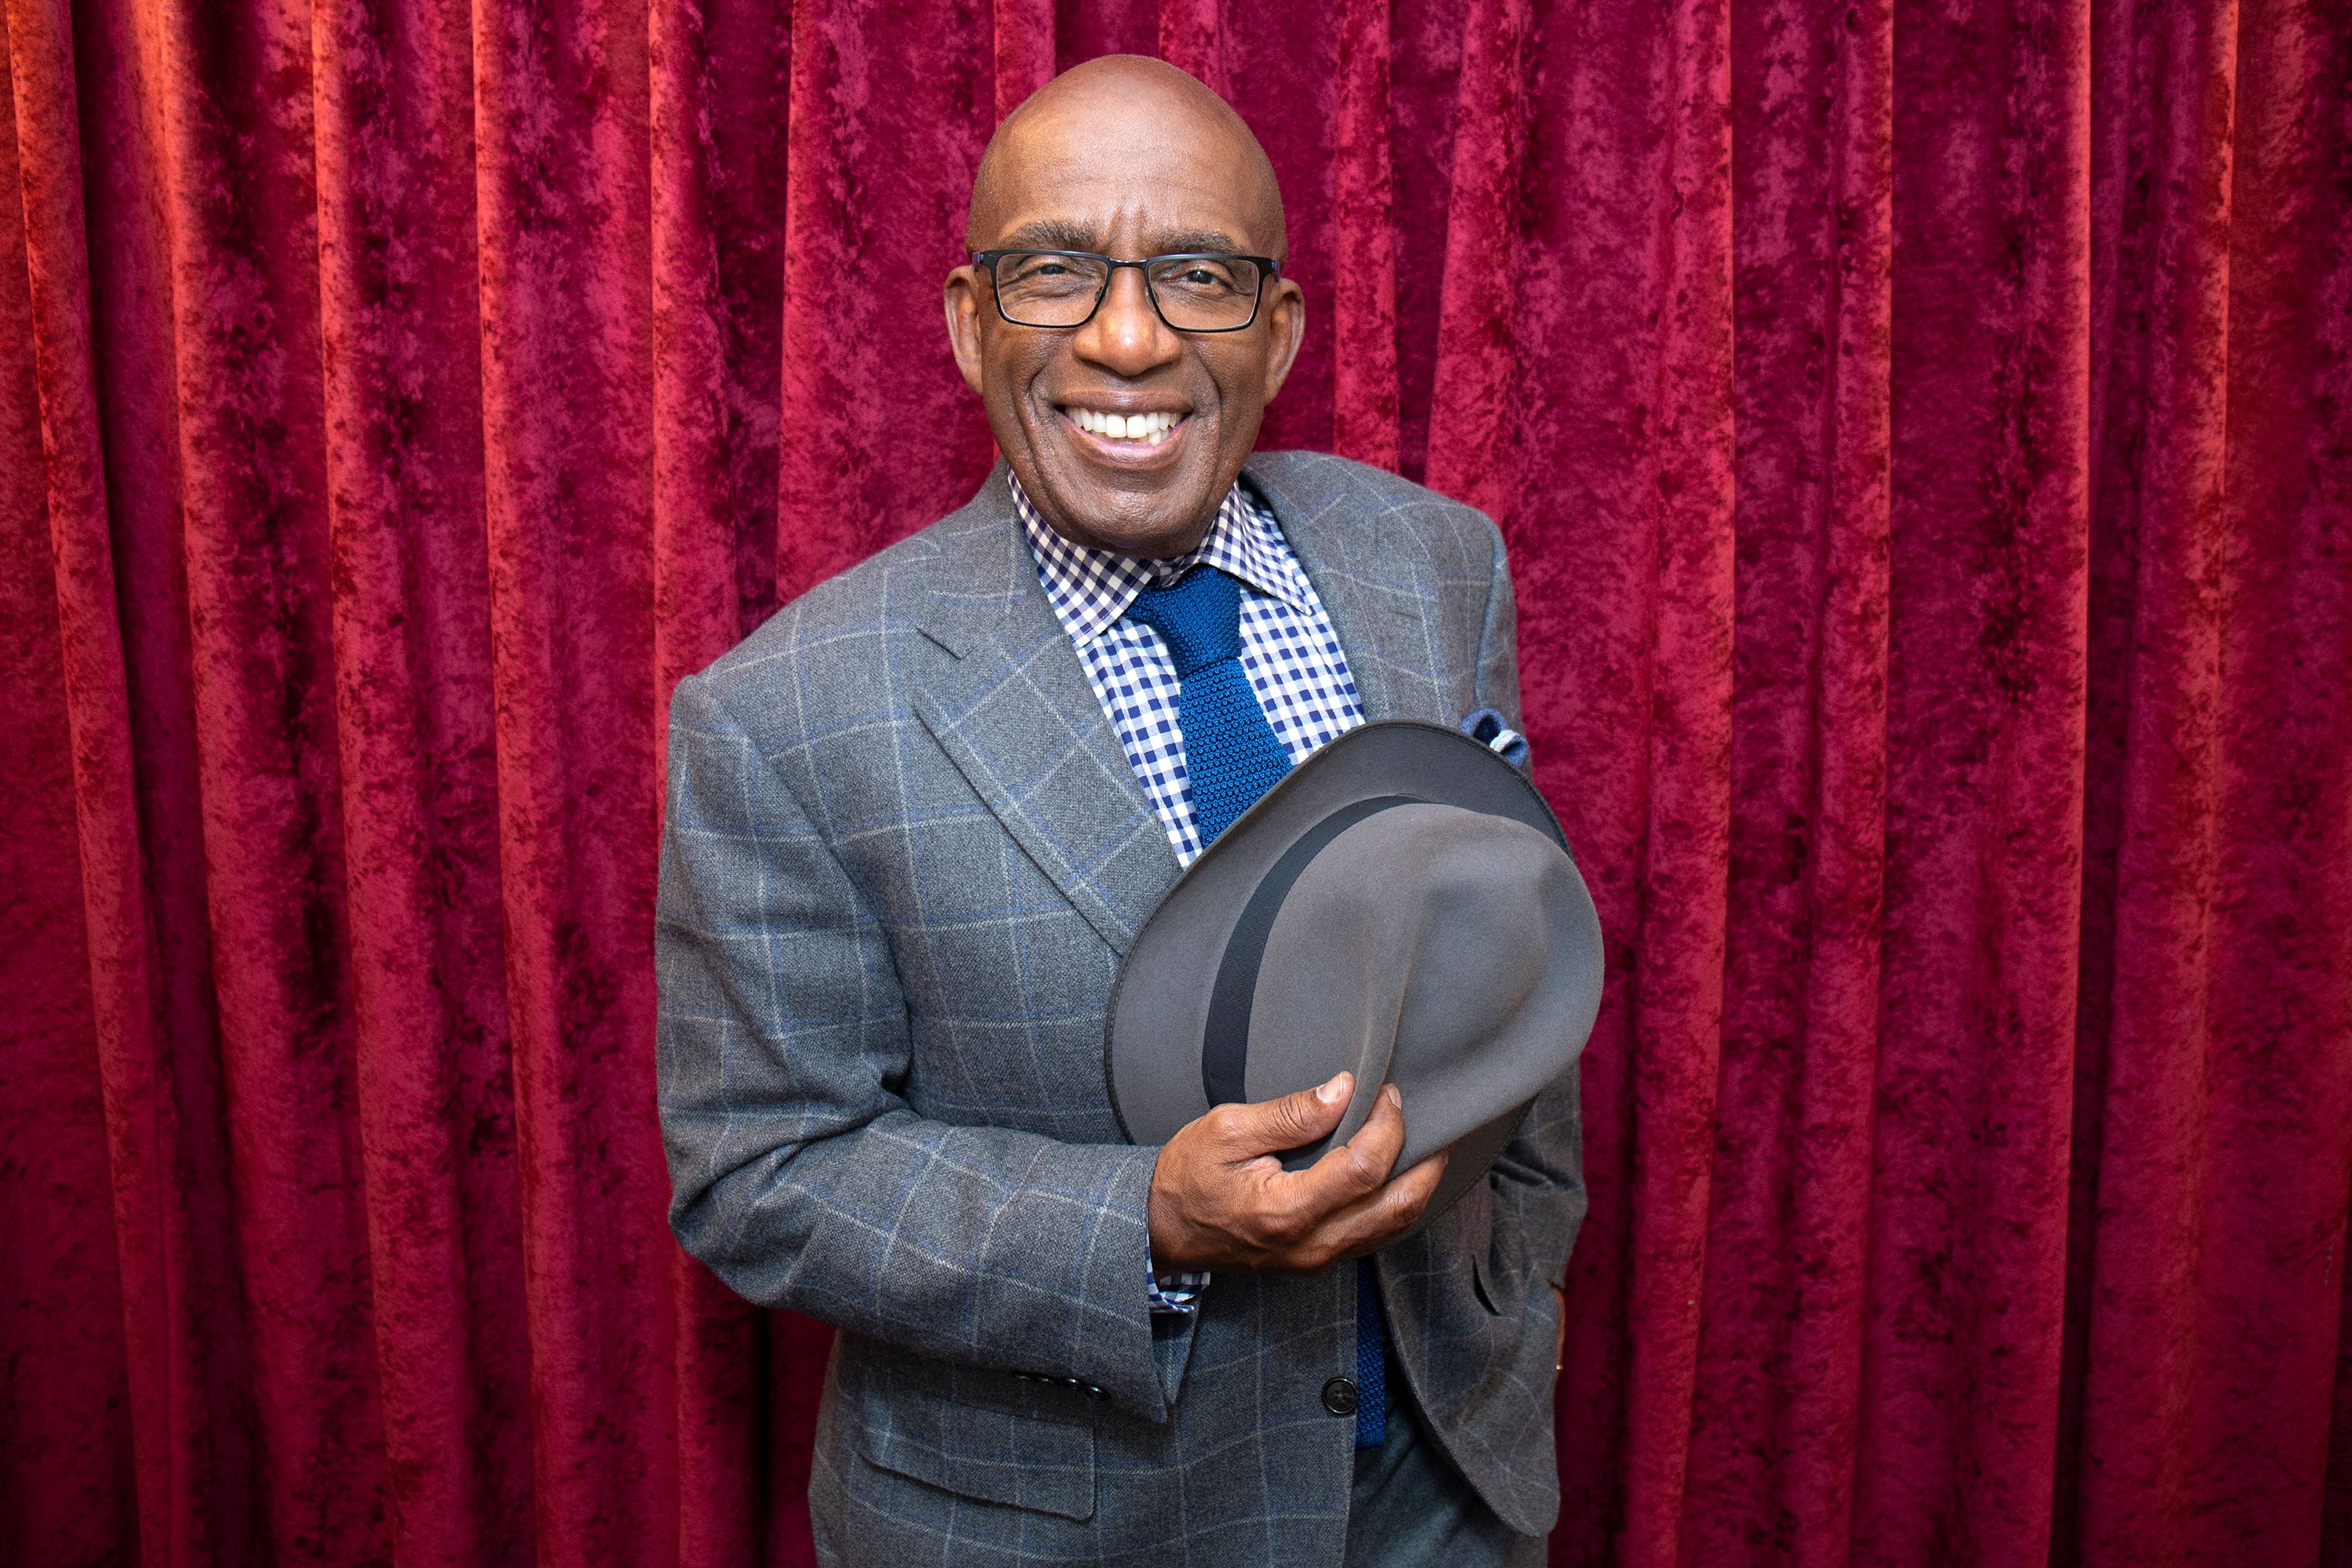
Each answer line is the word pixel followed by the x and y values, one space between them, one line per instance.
pixel 1394 1097
pixel 1331 1093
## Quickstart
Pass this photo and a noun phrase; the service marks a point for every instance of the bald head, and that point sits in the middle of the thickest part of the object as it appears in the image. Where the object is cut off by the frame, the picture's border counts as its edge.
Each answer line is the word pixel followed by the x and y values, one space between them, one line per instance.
pixel 1131 112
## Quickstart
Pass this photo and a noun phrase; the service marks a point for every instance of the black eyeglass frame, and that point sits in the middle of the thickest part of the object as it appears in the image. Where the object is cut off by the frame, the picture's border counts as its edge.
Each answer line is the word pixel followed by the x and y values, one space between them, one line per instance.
pixel 986 260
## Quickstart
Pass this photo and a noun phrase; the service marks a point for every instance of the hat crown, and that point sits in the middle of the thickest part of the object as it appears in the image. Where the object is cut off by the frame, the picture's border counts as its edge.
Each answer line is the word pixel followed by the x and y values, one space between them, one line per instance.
pixel 1417 942
pixel 1483 928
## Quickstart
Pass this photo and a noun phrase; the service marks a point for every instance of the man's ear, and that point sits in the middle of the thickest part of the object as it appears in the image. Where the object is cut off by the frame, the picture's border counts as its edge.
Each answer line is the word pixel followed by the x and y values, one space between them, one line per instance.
pixel 964 323
pixel 1285 316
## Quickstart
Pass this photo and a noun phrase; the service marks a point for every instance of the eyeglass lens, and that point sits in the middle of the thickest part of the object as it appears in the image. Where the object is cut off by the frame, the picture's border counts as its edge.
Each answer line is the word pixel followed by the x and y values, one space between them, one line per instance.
pixel 1195 294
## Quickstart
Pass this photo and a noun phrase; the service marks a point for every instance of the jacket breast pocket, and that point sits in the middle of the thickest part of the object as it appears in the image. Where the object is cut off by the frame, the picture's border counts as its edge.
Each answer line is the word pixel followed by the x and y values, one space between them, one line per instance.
pixel 986 1434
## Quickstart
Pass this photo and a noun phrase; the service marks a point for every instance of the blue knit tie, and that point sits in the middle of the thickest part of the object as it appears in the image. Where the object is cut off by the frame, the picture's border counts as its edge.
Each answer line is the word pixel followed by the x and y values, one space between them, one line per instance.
pixel 1232 756
pixel 1231 753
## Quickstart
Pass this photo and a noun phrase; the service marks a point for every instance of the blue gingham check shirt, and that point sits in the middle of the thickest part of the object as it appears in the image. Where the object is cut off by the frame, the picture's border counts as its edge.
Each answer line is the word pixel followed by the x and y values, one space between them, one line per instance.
pixel 1289 651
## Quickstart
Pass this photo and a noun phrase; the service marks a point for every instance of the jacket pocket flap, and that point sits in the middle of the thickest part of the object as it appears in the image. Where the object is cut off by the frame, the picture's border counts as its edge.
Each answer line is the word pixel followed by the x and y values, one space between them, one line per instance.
pixel 983 1450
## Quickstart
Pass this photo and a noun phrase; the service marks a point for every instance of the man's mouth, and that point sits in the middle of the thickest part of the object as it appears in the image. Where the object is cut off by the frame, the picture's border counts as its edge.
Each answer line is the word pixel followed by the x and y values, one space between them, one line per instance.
pixel 1128 432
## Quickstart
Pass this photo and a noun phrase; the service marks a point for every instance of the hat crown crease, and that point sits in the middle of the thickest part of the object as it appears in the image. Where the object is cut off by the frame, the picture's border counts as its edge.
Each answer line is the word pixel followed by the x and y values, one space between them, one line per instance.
pixel 1406 988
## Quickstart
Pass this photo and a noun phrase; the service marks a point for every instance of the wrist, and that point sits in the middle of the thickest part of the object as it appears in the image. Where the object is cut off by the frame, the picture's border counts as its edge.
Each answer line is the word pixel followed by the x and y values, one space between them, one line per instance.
pixel 1166 1236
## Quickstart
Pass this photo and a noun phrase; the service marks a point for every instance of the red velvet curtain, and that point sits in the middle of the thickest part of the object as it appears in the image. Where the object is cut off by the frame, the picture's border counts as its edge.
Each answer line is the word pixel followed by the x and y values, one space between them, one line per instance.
pixel 1923 429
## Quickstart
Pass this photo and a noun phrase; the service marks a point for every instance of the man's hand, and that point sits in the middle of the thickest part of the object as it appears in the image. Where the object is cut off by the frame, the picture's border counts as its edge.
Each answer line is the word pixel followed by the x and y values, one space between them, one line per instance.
pixel 1220 1199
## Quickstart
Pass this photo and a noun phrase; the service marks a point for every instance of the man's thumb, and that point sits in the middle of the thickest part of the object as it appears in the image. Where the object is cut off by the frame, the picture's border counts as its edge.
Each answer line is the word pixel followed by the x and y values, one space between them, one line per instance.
pixel 1301 1118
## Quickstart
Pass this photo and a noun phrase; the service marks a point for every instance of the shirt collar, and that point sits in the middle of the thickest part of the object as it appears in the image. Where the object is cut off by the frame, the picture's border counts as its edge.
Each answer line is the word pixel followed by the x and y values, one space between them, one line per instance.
pixel 1090 589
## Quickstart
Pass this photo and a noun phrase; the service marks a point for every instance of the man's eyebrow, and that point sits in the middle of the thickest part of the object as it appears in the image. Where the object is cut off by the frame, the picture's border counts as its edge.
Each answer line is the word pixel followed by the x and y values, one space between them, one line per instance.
pixel 1179 242
pixel 1060 234
pixel 1050 234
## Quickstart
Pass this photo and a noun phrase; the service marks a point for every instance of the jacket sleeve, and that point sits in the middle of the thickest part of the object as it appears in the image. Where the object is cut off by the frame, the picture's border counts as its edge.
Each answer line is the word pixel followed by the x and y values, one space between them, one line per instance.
pixel 799 1173
pixel 1538 1179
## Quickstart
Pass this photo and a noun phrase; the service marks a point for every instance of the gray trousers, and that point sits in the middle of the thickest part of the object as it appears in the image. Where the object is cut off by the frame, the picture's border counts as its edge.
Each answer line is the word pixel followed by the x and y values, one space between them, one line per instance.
pixel 1411 1508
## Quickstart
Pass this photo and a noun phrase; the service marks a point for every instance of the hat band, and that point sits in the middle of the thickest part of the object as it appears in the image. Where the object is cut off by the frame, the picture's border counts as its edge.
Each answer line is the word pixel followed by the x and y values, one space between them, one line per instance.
pixel 1225 1045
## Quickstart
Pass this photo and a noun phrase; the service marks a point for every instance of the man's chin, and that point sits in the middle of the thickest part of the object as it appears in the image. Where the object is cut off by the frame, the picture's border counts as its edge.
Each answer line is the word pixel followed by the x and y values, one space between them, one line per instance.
pixel 1111 519
pixel 1158 514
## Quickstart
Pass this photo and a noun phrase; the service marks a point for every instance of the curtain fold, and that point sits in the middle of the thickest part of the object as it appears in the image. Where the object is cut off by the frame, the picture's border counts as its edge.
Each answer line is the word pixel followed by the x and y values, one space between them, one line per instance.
pixel 1781 1314
pixel 1989 465
pixel 1924 434
pixel 2164 88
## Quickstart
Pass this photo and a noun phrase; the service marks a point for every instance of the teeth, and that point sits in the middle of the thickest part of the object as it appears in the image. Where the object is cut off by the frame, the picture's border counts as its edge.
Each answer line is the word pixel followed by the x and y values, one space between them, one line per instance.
pixel 1149 429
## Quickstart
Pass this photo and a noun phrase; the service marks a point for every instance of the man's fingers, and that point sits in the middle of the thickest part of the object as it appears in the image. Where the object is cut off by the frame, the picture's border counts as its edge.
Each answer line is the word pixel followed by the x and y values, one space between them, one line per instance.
pixel 1270 1126
pixel 1359 1165
pixel 1397 1203
pixel 1370 1222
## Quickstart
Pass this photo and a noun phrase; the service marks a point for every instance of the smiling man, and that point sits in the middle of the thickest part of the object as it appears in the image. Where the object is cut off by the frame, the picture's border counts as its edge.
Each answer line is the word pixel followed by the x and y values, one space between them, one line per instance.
pixel 916 819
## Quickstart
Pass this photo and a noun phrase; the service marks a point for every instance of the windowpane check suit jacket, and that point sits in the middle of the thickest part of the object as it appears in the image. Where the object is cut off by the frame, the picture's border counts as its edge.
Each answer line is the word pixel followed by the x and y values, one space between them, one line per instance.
pixel 902 856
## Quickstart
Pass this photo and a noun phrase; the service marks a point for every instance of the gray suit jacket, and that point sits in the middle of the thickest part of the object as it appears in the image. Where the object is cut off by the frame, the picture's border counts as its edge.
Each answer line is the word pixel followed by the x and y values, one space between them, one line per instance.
pixel 903 852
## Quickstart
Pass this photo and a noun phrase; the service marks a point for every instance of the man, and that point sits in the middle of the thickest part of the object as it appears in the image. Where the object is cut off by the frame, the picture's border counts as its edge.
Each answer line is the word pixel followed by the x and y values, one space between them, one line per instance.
pixel 914 822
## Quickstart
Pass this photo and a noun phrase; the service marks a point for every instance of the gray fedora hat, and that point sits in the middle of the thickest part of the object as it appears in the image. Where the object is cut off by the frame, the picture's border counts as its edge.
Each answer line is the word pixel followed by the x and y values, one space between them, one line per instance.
pixel 1402 905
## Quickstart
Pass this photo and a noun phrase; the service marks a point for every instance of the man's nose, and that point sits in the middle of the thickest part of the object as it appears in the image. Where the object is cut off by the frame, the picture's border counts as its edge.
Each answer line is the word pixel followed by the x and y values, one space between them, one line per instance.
pixel 1127 336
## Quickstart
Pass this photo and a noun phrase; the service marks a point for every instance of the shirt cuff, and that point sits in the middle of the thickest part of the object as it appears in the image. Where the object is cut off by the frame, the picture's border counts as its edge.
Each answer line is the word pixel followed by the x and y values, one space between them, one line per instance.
pixel 1177 1292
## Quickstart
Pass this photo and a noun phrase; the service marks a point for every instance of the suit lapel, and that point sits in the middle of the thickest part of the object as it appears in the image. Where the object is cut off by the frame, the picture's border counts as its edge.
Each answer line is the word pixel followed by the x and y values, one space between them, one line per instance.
pixel 1014 712
pixel 1374 583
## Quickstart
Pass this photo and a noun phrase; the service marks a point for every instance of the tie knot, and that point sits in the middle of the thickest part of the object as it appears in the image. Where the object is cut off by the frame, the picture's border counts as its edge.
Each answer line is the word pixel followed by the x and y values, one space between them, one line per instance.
pixel 1199 616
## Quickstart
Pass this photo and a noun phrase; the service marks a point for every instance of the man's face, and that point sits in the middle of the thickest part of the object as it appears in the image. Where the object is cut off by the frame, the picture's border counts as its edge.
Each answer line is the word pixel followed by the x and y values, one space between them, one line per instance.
pixel 1128 183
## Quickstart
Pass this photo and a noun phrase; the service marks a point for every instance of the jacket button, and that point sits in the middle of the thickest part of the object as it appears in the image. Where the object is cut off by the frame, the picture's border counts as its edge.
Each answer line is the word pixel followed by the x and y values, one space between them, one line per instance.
pixel 1339 1397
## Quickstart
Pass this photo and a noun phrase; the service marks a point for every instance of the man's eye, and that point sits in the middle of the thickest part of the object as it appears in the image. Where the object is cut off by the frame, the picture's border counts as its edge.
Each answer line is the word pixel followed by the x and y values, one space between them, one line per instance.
pixel 1043 272
pixel 1198 280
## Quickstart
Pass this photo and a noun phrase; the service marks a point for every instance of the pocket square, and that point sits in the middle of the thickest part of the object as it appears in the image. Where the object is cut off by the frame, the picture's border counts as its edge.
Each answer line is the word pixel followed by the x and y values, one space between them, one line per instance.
pixel 1487 727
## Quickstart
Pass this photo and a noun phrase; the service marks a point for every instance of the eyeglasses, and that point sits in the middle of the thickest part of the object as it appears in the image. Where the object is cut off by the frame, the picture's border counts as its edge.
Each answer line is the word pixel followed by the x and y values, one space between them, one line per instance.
pixel 1194 291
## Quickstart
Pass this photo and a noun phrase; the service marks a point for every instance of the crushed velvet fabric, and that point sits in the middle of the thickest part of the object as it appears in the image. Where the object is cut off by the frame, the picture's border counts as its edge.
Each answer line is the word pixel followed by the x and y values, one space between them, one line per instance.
pixel 1924 431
